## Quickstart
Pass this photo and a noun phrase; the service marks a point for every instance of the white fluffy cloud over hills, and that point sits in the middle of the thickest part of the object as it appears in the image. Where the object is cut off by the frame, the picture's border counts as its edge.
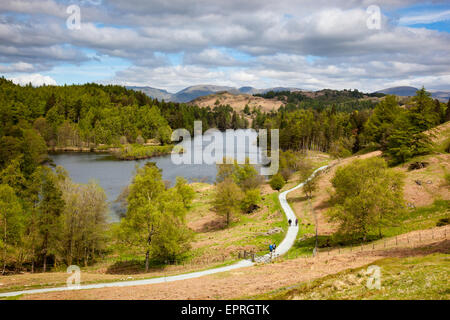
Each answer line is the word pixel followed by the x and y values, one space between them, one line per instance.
pixel 174 44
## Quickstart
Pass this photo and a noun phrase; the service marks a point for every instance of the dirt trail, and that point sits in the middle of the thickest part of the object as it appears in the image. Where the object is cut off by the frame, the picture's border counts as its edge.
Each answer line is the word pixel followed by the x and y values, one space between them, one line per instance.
pixel 264 278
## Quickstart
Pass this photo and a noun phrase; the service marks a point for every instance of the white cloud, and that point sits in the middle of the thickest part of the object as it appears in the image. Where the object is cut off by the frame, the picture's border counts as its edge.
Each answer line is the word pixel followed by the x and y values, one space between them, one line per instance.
pixel 425 18
pixel 35 79
pixel 276 39
pixel 17 67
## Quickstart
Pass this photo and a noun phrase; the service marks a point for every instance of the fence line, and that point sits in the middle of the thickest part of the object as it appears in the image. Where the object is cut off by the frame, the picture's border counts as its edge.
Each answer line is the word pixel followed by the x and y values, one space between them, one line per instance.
pixel 411 240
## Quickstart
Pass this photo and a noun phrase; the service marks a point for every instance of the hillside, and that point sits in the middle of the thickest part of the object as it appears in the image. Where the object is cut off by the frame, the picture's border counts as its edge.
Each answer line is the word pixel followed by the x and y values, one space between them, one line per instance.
pixel 193 92
pixel 253 282
pixel 420 276
pixel 238 101
pixel 405 91
pixel 154 93
pixel 399 91
pixel 426 195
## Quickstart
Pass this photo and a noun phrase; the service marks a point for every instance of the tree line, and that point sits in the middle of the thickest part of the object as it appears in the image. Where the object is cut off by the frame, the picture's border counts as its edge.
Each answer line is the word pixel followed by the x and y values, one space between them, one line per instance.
pixel 397 130
pixel 92 114
pixel 46 219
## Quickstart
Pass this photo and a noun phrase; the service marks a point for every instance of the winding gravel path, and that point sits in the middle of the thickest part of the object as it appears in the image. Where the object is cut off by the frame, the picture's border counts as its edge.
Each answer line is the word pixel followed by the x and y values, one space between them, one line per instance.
pixel 282 248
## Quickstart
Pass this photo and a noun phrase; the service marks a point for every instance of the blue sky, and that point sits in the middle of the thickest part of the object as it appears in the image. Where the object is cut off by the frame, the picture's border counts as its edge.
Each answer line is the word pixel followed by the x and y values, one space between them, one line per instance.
pixel 170 45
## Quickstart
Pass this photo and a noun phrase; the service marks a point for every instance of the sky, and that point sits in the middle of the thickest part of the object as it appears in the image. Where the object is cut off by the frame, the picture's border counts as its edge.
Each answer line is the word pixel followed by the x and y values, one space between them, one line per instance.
pixel 173 44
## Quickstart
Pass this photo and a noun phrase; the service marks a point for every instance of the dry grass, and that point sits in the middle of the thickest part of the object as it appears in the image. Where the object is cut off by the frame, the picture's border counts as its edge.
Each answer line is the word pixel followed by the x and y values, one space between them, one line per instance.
pixel 423 186
pixel 238 101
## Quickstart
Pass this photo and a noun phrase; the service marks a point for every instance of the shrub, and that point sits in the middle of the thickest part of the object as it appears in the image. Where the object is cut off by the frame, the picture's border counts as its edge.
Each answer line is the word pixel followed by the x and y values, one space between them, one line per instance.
pixel 443 222
pixel 251 199
pixel 123 140
pixel 277 182
pixel 447 179
pixel 140 140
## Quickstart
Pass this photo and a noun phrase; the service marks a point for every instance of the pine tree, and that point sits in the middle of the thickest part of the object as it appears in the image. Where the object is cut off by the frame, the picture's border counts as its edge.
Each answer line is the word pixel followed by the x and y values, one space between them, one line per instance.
pixel 438 111
pixel 447 112
pixel 381 124
pixel 408 138
pixel 422 115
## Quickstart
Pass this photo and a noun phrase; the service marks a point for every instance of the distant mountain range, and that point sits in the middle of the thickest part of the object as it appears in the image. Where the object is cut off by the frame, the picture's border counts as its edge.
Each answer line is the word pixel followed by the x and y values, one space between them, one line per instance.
pixel 193 92
pixel 190 93
pixel 406 91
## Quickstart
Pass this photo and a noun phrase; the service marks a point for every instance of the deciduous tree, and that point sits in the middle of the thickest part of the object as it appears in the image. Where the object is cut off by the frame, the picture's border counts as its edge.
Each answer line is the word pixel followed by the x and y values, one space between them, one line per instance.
pixel 227 199
pixel 367 197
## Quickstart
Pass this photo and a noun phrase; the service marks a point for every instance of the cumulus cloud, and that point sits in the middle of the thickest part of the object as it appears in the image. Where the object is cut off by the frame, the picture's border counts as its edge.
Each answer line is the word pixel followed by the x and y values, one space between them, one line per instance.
pixel 308 44
pixel 17 67
pixel 211 57
pixel 35 79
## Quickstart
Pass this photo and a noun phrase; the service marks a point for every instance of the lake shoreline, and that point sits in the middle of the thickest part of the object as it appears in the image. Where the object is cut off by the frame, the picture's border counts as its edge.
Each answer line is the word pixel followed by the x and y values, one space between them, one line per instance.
pixel 149 152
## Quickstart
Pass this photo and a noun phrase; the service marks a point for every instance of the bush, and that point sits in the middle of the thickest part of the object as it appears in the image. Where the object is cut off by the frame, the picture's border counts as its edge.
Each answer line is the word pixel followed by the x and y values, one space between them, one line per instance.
pixel 417 165
pixel 447 179
pixel 123 140
pixel 443 222
pixel 186 192
pixel 251 199
pixel 286 173
pixel 277 182
pixel 140 140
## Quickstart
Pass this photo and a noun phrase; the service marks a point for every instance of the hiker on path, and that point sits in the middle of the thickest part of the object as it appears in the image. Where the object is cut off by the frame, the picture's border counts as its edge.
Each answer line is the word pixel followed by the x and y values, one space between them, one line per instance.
pixel 270 249
pixel 296 222
pixel 290 221
pixel 274 247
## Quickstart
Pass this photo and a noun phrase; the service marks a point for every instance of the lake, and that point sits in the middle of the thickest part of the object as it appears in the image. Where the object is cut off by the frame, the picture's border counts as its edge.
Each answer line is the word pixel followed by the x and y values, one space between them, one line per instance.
pixel 114 175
